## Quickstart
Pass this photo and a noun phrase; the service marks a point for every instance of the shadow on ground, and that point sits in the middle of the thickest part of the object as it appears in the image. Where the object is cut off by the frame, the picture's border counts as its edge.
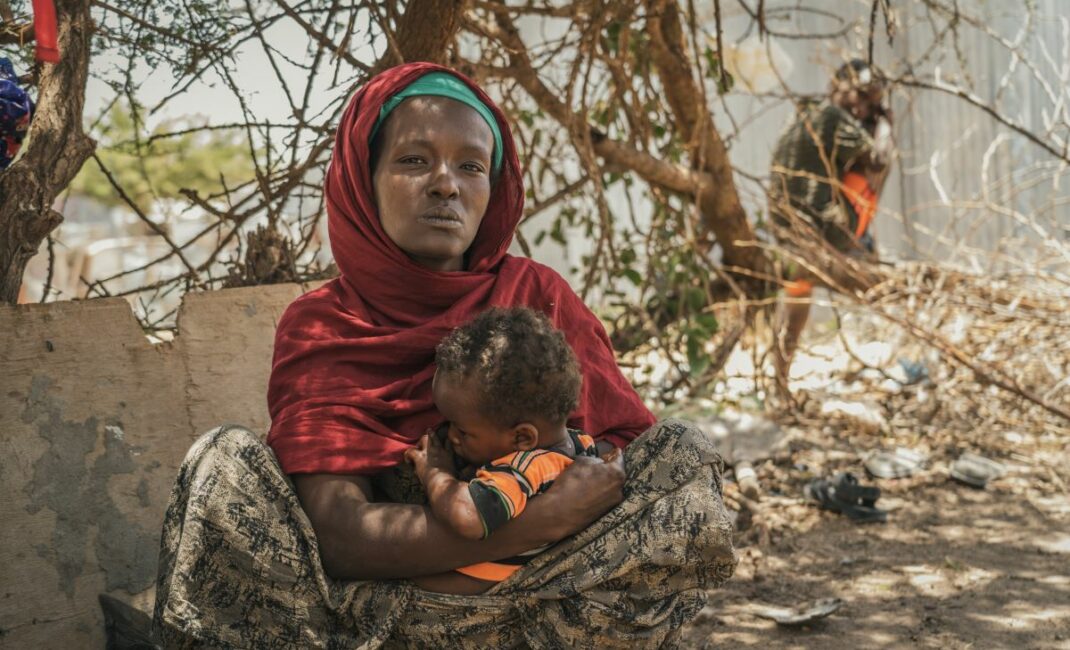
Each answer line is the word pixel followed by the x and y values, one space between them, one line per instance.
pixel 953 568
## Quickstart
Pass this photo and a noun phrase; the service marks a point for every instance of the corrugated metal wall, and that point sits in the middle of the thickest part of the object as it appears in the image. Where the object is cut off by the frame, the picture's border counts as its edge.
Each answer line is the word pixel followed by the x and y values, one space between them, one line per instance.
pixel 965 186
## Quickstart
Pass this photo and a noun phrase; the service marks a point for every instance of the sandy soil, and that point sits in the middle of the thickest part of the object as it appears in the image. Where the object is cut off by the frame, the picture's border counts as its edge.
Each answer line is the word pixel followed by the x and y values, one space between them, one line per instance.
pixel 954 566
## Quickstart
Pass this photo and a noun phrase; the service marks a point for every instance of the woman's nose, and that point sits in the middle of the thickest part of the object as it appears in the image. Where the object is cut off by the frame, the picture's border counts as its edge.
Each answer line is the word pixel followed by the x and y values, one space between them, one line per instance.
pixel 443 183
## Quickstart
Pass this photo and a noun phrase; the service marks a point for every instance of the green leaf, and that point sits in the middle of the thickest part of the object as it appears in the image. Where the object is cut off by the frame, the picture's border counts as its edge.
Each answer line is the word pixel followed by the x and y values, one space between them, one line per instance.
pixel 633 275
pixel 161 169
pixel 613 36
pixel 697 359
pixel 713 62
pixel 696 298
pixel 725 82
pixel 715 70
pixel 557 234
pixel 707 324
pixel 694 349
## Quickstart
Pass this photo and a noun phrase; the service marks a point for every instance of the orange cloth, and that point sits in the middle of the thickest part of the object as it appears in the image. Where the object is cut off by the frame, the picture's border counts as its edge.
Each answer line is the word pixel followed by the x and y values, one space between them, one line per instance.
pixel 863 199
pixel 798 288
pixel 489 571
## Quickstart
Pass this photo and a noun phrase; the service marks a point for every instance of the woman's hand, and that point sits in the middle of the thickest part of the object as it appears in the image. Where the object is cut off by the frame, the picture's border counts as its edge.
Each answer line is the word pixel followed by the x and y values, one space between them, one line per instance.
pixel 586 490
pixel 611 455
pixel 363 540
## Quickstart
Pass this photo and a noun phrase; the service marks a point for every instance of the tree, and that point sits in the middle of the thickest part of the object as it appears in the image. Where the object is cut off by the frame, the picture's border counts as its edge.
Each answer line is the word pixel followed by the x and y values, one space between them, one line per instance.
pixel 184 35
pixel 621 109
pixel 176 156
pixel 53 154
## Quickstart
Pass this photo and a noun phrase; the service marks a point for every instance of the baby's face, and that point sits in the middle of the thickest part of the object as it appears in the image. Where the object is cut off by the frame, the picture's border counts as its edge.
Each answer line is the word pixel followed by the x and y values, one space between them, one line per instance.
pixel 474 437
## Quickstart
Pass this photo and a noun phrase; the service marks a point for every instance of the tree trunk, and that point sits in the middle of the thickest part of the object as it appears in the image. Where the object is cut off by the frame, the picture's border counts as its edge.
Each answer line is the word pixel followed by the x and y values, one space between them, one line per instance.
pixel 427 29
pixel 718 200
pixel 54 151
pixel 423 33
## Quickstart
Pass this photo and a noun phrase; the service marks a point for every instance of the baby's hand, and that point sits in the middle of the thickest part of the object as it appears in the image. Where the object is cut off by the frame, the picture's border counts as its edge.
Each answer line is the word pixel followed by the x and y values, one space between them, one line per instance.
pixel 439 454
pixel 430 454
pixel 417 456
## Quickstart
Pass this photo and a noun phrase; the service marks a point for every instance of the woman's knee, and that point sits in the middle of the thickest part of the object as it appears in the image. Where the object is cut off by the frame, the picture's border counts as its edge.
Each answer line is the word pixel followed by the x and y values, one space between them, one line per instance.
pixel 670 453
pixel 235 436
pixel 229 440
pixel 679 435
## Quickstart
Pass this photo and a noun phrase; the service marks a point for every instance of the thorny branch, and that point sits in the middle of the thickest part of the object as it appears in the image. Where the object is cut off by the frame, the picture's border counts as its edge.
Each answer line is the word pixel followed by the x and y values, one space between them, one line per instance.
pixel 628 136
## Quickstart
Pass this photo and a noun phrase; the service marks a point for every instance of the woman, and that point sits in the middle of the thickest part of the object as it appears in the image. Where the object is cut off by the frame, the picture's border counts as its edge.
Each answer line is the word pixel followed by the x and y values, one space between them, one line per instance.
pixel 828 171
pixel 424 193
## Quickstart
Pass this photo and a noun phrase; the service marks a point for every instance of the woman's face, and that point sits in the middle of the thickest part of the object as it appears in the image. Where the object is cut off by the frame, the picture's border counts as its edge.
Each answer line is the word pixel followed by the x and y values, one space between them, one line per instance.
pixel 863 103
pixel 432 179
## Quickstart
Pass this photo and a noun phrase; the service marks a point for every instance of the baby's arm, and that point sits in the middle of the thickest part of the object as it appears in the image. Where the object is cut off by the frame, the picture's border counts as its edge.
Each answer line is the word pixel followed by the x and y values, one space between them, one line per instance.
pixel 451 502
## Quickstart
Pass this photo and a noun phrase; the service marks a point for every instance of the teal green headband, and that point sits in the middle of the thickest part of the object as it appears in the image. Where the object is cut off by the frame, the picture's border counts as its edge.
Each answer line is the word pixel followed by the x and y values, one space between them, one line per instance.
pixel 443 84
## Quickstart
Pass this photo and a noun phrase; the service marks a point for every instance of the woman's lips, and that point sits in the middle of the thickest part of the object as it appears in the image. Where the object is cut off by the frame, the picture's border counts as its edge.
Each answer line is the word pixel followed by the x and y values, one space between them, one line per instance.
pixel 444 219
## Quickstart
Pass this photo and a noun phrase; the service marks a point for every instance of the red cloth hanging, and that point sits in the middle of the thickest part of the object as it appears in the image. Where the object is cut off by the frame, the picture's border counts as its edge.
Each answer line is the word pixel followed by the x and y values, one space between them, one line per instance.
pixel 45 32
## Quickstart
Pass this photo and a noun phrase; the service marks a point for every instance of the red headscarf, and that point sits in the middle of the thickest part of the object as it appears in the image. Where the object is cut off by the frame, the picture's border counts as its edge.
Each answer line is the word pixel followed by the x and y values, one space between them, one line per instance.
pixel 350 385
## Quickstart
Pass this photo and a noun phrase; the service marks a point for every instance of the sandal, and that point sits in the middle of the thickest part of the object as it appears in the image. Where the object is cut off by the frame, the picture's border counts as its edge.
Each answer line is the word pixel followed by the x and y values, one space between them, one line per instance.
pixel 976 471
pixel 845 495
pixel 899 463
pixel 801 615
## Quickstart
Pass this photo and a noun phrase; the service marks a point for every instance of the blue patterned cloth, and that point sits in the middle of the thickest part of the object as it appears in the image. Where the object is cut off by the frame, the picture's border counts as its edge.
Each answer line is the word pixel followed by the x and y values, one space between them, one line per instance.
pixel 16 110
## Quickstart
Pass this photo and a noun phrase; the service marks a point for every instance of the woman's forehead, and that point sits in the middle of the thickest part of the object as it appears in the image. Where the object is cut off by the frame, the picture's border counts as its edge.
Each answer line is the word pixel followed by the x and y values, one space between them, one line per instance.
pixel 438 119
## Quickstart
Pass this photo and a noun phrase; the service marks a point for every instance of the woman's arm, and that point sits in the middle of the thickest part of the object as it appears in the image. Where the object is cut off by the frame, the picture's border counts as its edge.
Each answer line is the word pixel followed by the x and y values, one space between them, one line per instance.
pixel 363 540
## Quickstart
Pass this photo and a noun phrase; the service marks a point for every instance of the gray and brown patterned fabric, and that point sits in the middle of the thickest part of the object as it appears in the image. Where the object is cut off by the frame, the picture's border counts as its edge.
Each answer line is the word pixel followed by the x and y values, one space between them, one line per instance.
pixel 239 565
pixel 809 162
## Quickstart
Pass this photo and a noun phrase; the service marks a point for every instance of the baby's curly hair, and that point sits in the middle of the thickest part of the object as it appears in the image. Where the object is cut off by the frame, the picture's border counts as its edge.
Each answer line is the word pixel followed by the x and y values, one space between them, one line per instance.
pixel 524 366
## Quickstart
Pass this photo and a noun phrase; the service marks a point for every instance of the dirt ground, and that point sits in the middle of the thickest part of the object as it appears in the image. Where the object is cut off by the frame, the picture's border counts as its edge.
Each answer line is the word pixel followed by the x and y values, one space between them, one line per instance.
pixel 953 567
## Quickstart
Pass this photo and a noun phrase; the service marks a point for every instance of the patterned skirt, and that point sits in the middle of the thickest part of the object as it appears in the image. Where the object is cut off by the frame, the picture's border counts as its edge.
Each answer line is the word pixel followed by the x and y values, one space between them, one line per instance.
pixel 240 567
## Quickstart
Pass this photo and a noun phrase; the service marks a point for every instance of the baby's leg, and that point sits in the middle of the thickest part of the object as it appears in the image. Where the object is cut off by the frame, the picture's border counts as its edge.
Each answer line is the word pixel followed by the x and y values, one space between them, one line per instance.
pixel 452 582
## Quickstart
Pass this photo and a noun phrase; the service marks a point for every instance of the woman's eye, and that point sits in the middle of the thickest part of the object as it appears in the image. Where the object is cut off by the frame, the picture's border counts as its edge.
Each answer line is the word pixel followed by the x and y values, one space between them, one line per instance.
pixel 473 167
pixel 411 160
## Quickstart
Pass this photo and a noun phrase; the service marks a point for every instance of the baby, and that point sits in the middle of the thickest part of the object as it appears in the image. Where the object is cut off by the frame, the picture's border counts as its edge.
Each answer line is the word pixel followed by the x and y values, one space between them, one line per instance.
pixel 506 382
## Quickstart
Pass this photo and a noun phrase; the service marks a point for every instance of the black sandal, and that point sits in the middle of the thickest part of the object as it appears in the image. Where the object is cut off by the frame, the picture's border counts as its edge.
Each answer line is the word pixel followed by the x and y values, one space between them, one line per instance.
pixel 845 495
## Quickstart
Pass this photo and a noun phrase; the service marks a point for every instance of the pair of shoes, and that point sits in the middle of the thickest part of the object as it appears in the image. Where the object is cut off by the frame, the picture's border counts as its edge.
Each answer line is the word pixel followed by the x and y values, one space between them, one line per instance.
pixel 971 469
pixel 845 495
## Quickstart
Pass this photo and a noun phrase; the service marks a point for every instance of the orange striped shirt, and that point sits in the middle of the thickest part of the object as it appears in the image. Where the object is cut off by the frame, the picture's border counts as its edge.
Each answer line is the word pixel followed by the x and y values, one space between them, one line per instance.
pixel 501 490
